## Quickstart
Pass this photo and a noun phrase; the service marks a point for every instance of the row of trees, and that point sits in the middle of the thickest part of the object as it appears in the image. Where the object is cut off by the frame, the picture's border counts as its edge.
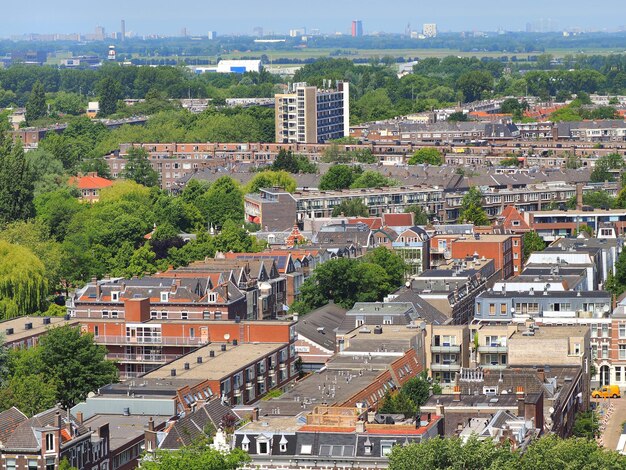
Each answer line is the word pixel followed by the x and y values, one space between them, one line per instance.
pixel 546 453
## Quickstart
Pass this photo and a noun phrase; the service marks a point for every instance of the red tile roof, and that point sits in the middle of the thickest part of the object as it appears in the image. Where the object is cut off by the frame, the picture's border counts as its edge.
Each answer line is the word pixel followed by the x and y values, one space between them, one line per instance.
pixel 372 222
pixel 398 220
pixel 89 182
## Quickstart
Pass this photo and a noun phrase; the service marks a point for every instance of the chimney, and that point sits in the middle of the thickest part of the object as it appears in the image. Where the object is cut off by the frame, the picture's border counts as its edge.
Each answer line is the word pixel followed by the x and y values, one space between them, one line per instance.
pixel 79 417
pixel 360 426
pixel 439 409
pixel 456 393
pixel 541 374
pixel 520 401
pixel 150 424
pixel 579 196
pixel 255 414
pixel 58 423
pixel 98 288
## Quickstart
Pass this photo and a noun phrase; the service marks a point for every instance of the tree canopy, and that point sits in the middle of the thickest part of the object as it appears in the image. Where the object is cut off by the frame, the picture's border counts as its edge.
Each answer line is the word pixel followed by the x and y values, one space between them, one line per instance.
pixel 428 155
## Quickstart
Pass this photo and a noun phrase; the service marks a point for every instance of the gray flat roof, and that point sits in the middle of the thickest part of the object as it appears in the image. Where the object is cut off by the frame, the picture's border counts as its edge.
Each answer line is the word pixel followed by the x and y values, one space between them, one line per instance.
pixel 215 368
pixel 124 429
pixel 19 326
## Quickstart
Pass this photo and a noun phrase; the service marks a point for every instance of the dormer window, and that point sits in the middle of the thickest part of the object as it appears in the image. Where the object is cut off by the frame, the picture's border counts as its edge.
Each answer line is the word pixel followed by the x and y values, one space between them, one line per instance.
pixel 165 296
pixel 368 447
pixel 50 442
pixel 115 296
pixel 283 443
pixel 245 443
pixel 212 298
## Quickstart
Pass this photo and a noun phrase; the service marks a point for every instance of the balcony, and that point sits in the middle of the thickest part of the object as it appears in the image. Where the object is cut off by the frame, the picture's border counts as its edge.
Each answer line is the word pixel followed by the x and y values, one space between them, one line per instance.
pixel 143 358
pixel 438 367
pixel 493 348
pixel 163 341
pixel 446 348
pixel 260 379
pixel 493 366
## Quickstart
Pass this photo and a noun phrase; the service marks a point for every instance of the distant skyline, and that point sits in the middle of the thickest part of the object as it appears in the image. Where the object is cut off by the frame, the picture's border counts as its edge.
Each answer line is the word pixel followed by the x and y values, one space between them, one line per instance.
pixel 168 17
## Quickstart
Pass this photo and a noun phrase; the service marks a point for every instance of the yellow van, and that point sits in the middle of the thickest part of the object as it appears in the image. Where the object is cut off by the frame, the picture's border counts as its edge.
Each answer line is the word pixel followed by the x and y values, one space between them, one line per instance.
pixel 607 391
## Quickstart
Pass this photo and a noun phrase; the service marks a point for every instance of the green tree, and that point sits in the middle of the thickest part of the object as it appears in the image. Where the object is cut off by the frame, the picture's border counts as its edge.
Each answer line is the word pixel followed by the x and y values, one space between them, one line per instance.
pixel 339 177
pixel 532 242
pixel 31 394
pixel 23 281
pixel 586 425
pixel 139 169
pixel 109 91
pixel 392 263
pixel 16 182
pixel 36 104
pixel 452 453
pixel 471 208
pixel 474 84
pixel 602 170
pixel 270 179
pixel 420 217
pixel 141 262
pixel 234 237
pixel 286 161
pixel 372 179
pixel 418 389
pixel 398 402
pixel 351 208
pixel 75 362
pixel 222 201
pixel 428 155
pixel 196 457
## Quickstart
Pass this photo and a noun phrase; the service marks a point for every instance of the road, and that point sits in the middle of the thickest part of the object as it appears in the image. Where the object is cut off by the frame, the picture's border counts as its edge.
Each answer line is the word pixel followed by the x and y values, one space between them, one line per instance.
pixel 614 426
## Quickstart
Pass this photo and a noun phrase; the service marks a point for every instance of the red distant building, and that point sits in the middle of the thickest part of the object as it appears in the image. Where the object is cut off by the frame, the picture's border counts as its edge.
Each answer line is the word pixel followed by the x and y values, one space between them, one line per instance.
pixel 89 186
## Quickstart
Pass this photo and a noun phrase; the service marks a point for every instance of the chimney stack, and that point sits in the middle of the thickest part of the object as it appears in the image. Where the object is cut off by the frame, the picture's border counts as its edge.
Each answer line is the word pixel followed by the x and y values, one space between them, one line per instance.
pixel 520 401
pixel 541 373
pixel 58 422
pixel 579 196
pixel 456 393
pixel 150 424
pixel 79 417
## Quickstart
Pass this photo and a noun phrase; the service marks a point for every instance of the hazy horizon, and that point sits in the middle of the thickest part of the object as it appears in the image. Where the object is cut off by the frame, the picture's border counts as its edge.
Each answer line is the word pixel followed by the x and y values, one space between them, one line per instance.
pixel 168 18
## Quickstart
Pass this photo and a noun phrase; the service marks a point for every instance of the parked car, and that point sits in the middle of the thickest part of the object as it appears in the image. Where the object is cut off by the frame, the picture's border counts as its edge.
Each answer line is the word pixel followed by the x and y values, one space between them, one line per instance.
pixel 607 391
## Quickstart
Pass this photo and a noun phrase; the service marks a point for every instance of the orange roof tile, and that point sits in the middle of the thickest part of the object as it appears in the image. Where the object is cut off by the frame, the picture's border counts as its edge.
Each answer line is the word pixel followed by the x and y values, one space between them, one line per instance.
pixel 89 182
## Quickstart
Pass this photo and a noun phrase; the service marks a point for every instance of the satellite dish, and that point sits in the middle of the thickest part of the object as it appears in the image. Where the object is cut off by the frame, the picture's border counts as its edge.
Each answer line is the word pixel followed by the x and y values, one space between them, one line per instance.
pixel 606 309
pixel 408 284
pixel 551 410
pixel 227 336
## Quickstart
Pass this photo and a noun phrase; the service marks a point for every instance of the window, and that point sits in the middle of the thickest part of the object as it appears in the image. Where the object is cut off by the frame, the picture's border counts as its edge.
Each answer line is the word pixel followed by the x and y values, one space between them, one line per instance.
pixel 192 333
pixel 594 351
pixel 502 309
pixel 577 348
pixel 96 330
pixel 387 320
pixel 153 315
pixel 515 255
pixel 164 296
pixel 50 464
pixel 492 309
pixel 618 374
pixel 515 242
pixel 164 315
pixel 115 296
pixel 262 447
pixel 385 447
pixel 184 315
pixel 105 314
pixel 622 330
pixel 49 442
pixel 305 449
pixel 605 351
pixel 605 330
pixel 10 464
pixel 621 349
pixel 594 331
pixel 212 298
pixel 33 465
pixel 114 314
pixel 206 315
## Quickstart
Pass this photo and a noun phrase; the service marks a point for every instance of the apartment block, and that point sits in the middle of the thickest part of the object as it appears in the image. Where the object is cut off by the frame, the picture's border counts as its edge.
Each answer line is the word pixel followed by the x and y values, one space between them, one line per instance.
pixel 310 115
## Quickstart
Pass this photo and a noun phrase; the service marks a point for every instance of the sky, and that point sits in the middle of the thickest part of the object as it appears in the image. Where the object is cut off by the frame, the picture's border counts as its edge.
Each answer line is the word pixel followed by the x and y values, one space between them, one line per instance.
pixel 241 16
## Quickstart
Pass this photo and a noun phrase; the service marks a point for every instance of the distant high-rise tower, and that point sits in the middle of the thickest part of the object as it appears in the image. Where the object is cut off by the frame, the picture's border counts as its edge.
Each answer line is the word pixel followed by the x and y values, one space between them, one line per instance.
pixel 357 28
pixel 123 30
pixel 100 33
pixel 212 34
pixel 429 30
